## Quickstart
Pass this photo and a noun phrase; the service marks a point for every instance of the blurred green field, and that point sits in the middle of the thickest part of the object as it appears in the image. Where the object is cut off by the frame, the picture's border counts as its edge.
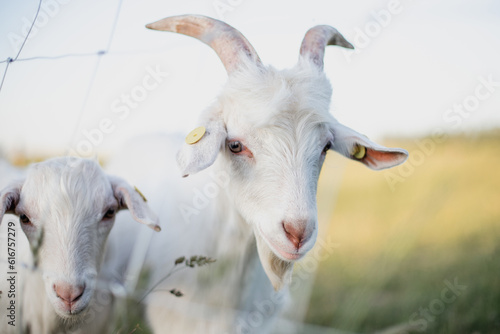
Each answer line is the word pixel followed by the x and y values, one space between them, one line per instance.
pixel 403 233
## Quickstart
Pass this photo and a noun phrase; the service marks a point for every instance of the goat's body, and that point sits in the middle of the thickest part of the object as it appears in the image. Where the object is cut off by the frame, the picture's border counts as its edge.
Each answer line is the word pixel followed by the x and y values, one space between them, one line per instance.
pixel 267 135
pixel 236 209
pixel 218 298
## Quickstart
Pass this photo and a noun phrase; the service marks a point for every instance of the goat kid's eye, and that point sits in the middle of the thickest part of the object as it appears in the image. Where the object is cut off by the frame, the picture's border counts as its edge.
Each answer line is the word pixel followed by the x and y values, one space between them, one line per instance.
pixel 235 146
pixel 109 214
pixel 24 219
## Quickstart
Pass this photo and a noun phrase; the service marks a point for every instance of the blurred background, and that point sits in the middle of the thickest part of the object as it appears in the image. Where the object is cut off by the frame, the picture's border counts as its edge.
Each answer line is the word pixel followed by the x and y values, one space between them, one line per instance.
pixel 415 248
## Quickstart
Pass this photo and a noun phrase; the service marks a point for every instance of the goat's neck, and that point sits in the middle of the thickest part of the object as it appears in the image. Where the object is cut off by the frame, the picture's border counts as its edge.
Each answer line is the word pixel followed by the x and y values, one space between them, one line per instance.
pixel 236 230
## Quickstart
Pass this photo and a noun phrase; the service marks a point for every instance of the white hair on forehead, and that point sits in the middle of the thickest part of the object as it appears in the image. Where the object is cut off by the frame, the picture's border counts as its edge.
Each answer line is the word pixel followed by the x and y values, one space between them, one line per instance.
pixel 67 187
pixel 263 97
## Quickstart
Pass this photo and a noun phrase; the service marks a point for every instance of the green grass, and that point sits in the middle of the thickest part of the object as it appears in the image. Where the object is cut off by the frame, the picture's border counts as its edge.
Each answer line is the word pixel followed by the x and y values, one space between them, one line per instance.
pixel 398 245
pixel 130 313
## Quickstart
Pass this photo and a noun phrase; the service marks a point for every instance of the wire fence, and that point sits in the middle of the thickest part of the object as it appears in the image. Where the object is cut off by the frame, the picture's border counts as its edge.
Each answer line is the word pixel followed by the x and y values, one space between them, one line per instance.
pixel 118 291
pixel 99 54
pixel 11 60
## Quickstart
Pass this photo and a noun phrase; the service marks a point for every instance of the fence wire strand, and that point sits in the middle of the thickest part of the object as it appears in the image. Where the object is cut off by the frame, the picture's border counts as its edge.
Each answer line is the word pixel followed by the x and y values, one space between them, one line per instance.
pixel 99 54
pixel 4 75
pixel 11 60
pixel 29 31
pixel 94 73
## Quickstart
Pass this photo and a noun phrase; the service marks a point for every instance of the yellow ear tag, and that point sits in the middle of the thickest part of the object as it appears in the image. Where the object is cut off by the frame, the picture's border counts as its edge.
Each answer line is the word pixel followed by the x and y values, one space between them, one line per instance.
pixel 140 194
pixel 359 152
pixel 194 136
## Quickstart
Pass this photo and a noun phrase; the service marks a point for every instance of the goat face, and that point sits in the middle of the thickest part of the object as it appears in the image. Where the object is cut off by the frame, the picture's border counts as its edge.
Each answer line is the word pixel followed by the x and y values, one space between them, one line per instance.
pixel 67 208
pixel 278 132
pixel 274 129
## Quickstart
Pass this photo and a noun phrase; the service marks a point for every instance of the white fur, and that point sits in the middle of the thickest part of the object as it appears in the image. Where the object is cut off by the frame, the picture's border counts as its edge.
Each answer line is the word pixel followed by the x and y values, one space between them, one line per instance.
pixel 66 200
pixel 282 117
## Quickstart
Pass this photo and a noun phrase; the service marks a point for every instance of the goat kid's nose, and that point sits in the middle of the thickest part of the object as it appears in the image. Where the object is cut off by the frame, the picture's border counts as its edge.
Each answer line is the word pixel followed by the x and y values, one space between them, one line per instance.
pixel 296 233
pixel 68 293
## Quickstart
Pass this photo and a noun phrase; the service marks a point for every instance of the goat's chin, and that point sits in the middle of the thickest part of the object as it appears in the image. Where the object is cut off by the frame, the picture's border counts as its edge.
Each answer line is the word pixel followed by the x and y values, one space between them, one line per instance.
pixel 285 256
pixel 278 270
pixel 76 314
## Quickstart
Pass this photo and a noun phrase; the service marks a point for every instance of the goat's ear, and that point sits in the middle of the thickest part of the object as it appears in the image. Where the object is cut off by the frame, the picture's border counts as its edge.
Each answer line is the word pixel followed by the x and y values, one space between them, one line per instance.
pixel 9 198
pixel 355 146
pixel 193 158
pixel 133 200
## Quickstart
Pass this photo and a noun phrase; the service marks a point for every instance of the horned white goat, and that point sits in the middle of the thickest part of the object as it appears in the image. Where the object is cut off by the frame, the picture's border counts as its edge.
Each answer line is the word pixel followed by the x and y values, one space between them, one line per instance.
pixel 266 138
pixel 66 208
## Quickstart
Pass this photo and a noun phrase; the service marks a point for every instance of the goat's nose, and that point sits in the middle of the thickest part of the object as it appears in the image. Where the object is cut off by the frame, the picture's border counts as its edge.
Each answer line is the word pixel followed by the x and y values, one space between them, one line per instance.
pixel 296 233
pixel 68 293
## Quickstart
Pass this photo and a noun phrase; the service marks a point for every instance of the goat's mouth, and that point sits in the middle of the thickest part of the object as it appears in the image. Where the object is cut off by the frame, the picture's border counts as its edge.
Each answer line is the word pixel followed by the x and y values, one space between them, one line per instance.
pixel 75 314
pixel 73 310
pixel 284 255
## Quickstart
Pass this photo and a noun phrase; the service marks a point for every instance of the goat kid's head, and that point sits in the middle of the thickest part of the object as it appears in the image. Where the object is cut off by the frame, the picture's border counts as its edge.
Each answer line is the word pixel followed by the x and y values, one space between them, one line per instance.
pixel 67 207
pixel 272 129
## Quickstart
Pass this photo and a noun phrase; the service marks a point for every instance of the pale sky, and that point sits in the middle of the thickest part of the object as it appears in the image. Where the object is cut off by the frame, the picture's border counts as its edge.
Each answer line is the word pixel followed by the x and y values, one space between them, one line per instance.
pixel 410 67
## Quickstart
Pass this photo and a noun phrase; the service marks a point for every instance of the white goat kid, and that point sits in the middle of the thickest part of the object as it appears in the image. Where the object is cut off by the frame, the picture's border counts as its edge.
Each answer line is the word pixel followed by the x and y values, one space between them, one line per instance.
pixel 66 207
pixel 268 132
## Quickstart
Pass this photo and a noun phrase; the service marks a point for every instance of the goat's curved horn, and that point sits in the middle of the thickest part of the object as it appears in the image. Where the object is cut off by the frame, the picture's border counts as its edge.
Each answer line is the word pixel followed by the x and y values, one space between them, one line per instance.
pixel 229 44
pixel 317 38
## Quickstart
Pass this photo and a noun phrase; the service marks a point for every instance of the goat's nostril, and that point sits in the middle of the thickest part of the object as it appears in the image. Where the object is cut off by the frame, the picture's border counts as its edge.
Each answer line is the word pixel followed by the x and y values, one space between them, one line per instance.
pixel 294 234
pixel 79 292
pixel 68 293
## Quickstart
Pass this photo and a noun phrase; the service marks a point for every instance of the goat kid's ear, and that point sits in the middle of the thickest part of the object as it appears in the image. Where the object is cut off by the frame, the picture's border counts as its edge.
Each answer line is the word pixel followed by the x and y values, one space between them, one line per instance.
pixel 9 198
pixel 131 199
pixel 356 146
pixel 193 158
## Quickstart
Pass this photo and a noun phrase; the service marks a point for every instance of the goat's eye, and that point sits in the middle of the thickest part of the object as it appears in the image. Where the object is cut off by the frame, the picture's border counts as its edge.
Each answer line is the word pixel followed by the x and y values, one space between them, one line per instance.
pixel 235 146
pixel 109 214
pixel 24 219
pixel 327 147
